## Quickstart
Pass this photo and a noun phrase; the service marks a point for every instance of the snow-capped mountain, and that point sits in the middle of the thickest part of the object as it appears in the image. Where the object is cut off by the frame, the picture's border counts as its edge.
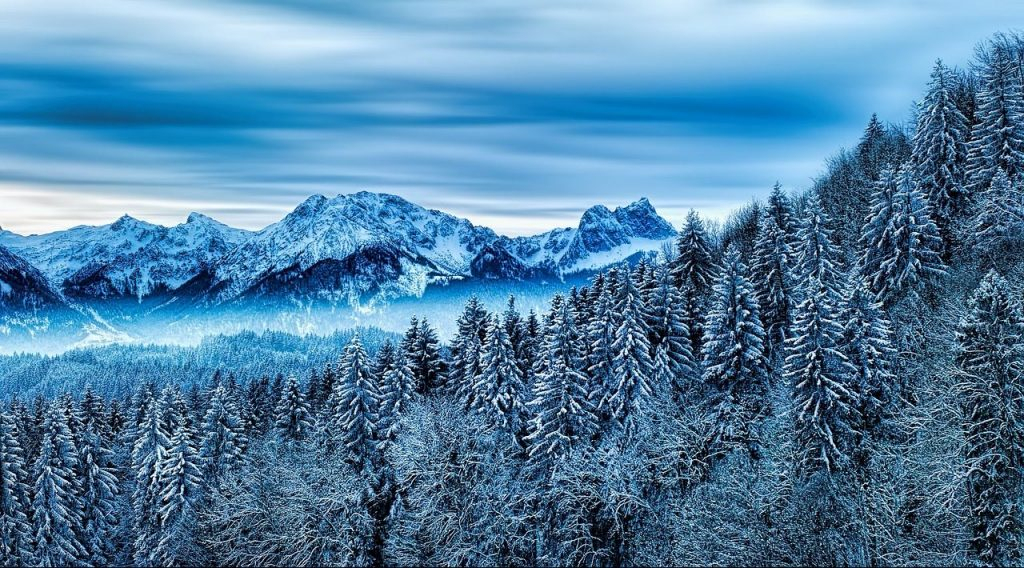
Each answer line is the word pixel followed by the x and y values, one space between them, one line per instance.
pixel 360 250
pixel 23 288
pixel 128 257
pixel 602 238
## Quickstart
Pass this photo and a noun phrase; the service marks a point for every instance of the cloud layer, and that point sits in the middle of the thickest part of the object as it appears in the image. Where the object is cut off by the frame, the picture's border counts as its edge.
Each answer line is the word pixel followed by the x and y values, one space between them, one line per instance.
pixel 516 114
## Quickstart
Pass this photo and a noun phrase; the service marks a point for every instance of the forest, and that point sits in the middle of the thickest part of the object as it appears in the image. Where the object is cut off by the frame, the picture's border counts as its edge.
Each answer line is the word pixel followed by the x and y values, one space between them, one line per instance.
pixel 833 376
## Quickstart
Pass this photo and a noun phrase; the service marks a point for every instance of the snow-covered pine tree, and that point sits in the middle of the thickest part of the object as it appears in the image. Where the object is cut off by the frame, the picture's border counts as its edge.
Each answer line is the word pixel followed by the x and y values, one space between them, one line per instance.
pixel 397 391
pixel 670 335
pixel 990 364
pixel 940 150
pixel 694 266
pixel 600 336
pixel 901 246
pixel 867 337
pixel 499 388
pixel 628 397
pixel 180 488
pixel 56 507
pixel 735 368
pixel 354 405
pixel 997 136
pixel 467 351
pixel 15 529
pixel 781 209
pixel 562 412
pixel 99 486
pixel 150 441
pixel 423 357
pixel 822 378
pixel 293 421
pixel 224 441
pixel 999 215
pixel 771 275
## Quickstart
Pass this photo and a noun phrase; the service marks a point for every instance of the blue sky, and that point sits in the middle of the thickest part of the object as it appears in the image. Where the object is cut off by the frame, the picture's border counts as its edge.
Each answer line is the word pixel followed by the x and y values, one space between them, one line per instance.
pixel 516 114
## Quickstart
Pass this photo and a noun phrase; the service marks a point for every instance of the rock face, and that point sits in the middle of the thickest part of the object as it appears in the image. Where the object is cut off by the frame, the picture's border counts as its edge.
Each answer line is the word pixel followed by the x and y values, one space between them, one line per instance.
pixel 358 248
pixel 23 288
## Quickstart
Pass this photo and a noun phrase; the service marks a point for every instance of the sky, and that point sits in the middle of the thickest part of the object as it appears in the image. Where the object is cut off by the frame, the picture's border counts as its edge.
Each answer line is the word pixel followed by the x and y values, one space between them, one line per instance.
pixel 516 114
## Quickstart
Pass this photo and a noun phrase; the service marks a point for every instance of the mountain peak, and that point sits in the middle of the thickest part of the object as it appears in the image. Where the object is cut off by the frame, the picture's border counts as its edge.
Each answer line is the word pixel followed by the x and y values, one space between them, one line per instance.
pixel 196 218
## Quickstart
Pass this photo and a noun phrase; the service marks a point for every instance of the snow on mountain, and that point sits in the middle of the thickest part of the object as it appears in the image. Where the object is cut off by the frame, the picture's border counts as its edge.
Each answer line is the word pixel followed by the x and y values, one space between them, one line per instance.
pixel 603 237
pixel 173 258
pixel 62 254
pixel 349 246
pixel 128 257
pixel 23 287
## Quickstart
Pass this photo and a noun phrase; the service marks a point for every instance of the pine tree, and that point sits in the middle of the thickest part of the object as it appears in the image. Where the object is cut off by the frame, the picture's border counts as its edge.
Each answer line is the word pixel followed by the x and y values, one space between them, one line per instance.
pixel 224 439
pixel 293 420
pixel 867 335
pixel 354 404
pixel 563 414
pixel 100 487
pixel 997 137
pixel 632 368
pixel 694 266
pixel 870 149
pixel 940 150
pixel 670 335
pixel 397 391
pixel 817 256
pixel 467 351
pixel 771 275
pixel 150 442
pixel 735 369
pixel 180 487
pixel 901 244
pixel 990 361
pixel 56 508
pixel 499 388
pixel 781 210
pixel 999 216
pixel 600 336
pixel 420 348
pixel 15 528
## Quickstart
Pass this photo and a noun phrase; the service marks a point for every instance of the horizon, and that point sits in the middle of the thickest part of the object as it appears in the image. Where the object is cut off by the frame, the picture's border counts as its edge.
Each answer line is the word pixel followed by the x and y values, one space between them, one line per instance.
pixel 514 116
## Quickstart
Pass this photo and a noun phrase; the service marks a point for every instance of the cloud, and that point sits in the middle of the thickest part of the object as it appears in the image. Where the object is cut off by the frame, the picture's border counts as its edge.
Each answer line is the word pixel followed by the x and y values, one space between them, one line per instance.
pixel 241 109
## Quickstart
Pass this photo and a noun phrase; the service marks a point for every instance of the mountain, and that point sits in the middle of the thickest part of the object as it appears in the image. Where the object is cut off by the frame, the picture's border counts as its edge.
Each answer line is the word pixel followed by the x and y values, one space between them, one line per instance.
pixel 23 288
pixel 361 250
pixel 603 237
pixel 127 258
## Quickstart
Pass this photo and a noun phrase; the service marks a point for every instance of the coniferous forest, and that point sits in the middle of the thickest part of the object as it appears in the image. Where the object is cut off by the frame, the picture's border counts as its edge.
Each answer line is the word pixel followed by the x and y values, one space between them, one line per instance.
pixel 832 376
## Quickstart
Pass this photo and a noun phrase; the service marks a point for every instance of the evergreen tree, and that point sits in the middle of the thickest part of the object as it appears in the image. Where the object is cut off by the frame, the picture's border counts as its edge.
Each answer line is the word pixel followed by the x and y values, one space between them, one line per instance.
pixel 180 486
pixel 901 244
pixel 224 438
pixel 771 276
pixel 100 487
pixel 397 391
pixel 150 442
pixel 670 335
pixel 293 419
pixel 632 369
pixel 694 266
pixel 499 388
pixel 56 507
pixel 420 348
pixel 940 149
pixel 990 361
pixel 563 414
pixel 867 335
pixel 735 369
pixel 997 136
pixel 999 216
pixel 15 528
pixel 354 404
pixel 467 351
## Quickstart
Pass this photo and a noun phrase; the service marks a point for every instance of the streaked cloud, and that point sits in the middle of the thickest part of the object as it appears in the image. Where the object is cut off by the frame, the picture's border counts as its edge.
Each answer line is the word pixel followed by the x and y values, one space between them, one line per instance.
pixel 515 114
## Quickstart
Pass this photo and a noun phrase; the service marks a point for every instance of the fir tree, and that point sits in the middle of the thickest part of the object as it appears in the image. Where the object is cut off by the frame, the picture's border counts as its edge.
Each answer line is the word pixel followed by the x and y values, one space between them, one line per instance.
pixel 999 216
pixel 15 528
pixel 867 335
pixel 670 335
pixel 56 507
pixel 901 244
pixel 397 391
pixel 420 348
pixel 771 276
pixel 997 137
pixel 150 442
pixel 735 368
pixel 632 368
pixel 940 150
pixel 224 439
pixel 100 488
pixel 180 486
pixel 694 266
pixel 499 388
pixel 467 351
pixel 563 414
pixel 354 404
pixel 293 420
pixel 990 361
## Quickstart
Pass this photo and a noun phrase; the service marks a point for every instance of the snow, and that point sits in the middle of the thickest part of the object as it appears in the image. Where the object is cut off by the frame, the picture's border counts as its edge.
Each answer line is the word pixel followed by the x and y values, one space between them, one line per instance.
pixel 5 289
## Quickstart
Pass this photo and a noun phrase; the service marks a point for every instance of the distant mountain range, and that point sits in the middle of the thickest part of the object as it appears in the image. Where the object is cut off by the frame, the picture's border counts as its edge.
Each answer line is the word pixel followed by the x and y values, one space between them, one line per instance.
pixel 360 250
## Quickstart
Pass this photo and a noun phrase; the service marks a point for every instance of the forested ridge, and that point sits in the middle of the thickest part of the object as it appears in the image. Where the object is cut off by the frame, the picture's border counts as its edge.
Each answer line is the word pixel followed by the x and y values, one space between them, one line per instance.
pixel 831 377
